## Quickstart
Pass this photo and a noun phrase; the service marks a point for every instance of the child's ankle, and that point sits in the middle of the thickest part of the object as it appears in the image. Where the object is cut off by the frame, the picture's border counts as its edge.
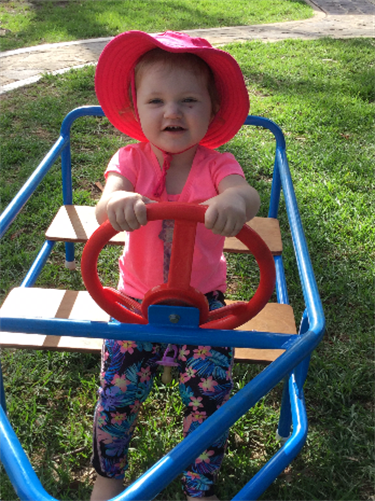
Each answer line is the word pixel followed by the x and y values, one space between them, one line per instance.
pixel 106 488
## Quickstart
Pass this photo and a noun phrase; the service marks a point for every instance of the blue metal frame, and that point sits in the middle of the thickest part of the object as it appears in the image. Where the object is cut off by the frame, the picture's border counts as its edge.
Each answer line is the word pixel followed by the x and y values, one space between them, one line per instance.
pixel 292 366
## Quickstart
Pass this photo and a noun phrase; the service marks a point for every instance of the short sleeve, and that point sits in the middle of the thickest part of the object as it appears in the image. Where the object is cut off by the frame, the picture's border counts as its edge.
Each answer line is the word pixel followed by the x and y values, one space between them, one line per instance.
pixel 225 165
pixel 125 163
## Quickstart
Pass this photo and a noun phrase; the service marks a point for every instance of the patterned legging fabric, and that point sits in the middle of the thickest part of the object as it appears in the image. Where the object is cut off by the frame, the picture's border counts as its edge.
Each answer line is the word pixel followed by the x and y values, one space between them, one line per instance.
pixel 127 375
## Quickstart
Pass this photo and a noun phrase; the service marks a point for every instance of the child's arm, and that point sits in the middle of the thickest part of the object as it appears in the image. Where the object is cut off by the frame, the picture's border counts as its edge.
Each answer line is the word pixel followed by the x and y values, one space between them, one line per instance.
pixel 236 203
pixel 125 209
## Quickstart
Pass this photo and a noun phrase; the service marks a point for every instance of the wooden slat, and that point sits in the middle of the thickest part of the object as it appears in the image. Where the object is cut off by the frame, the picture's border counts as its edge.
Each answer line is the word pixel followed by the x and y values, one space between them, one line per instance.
pixel 74 223
pixel 273 318
pixel 52 303
pixel 267 228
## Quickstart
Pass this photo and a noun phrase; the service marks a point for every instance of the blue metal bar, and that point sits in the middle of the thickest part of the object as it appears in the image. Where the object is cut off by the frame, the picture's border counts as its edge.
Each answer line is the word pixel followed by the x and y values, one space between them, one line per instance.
pixel 66 174
pixel 69 252
pixel 275 192
pixel 281 171
pixel 276 183
pixel 18 202
pixel 66 162
pixel 309 286
pixel 67 188
pixel 266 123
pixel 82 111
pixel 263 479
pixel 150 333
pixel 2 392
pixel 17 465
pixel 302 369
pixel 16 205
pixel 281 287
pixel 304 325
pixel 300 374
pixel 285 420
pixel 280 143
pixel 38 264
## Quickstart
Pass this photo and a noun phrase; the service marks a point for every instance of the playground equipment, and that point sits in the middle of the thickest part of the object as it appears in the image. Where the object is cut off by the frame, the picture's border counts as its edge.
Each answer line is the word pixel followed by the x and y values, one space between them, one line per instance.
pixel 70 320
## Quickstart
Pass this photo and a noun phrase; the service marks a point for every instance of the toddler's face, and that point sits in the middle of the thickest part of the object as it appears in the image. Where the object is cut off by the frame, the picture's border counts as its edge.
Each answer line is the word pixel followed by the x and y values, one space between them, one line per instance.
pixel 174 107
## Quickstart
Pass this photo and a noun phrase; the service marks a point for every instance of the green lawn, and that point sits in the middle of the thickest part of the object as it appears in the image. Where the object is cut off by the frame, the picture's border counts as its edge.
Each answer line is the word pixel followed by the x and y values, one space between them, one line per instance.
pixel 36 22
pixel 321 93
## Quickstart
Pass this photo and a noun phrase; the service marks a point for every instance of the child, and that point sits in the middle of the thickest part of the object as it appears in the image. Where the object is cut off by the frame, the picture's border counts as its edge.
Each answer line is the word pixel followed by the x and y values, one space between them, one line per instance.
pixel 180 98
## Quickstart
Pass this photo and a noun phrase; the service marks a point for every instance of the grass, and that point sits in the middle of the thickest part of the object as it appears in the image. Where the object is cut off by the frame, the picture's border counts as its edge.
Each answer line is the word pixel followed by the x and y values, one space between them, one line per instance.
pixel 326 109
pixel 36 22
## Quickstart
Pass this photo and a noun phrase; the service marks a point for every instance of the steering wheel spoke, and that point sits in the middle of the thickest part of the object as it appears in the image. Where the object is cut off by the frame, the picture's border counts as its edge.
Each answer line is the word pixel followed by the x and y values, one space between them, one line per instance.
pixel 121 307
pixel 232 309
pixel 181 262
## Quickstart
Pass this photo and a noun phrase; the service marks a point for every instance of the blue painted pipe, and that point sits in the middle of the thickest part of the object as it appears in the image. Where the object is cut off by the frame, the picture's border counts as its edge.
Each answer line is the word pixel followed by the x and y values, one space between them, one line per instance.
pixel 38 264
pixel 153 334
pixel 18 202
pixel 306 273
pixel 281 287
pixel 17 465
pixel 272 469
pixel 2 392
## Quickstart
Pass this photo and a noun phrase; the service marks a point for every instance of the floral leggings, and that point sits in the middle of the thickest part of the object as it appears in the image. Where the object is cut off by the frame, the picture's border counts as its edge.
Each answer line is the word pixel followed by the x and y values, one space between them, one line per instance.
pixel 128 371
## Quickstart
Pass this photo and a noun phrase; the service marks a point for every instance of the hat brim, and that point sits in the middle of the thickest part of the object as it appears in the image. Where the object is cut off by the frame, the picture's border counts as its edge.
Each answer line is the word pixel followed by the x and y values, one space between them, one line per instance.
pixel 119 57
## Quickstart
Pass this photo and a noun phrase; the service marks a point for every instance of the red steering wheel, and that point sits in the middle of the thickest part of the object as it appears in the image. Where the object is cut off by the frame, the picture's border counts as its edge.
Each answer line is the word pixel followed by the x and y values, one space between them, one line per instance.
pixel 178 291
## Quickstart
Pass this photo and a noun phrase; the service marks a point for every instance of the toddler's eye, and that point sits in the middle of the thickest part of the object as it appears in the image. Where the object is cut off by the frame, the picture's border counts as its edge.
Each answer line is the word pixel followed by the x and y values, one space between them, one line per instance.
pixel 190 100
pixel 155 101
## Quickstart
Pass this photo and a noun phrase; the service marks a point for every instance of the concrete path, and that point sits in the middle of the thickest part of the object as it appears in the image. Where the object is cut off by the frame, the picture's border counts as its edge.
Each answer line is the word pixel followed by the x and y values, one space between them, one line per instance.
pixel 332 18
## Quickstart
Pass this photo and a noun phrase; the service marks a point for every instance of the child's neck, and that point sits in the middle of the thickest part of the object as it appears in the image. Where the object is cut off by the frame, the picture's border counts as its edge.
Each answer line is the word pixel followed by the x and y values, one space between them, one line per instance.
pixel 178 158
pixel 179 170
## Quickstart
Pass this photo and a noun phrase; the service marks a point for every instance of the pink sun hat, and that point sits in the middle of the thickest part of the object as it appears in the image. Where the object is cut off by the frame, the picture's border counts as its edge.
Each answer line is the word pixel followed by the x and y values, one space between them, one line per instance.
pixel 120 56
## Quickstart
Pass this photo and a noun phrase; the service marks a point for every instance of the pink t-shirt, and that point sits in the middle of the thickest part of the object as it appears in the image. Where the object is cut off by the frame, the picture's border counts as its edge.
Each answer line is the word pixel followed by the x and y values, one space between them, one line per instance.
pixel 146 252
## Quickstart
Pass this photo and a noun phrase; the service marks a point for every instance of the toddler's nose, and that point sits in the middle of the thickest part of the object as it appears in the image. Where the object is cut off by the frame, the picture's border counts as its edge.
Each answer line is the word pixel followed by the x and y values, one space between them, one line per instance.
pixel 172 110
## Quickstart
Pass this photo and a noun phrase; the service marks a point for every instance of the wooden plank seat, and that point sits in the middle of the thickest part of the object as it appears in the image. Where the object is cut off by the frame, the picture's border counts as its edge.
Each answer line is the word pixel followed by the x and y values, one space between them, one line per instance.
pixel 74 223
pixel 52 303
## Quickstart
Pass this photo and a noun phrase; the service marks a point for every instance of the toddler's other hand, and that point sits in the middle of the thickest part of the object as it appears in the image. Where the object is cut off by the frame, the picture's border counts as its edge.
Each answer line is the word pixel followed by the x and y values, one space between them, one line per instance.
pixel 236 203
pixel 226 214
pixel 126 210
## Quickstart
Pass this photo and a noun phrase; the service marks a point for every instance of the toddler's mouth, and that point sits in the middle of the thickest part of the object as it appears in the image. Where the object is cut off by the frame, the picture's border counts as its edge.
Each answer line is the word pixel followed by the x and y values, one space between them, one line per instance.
pixel 173 128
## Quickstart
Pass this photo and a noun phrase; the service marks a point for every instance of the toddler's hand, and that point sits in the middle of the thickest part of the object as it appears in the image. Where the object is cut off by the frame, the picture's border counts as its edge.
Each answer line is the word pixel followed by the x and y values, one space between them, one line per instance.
pixel 126 210
pixel 226 214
